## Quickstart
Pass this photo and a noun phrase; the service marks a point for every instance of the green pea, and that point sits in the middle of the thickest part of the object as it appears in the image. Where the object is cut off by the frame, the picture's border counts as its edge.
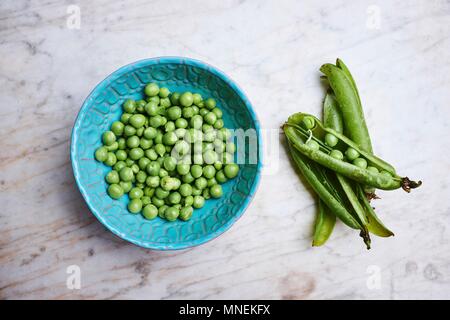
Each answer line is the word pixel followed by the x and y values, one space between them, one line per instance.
pixel 161 193
pixel 125 117
pixel 201 183
pixel 206 194
pixel 108 138
pixel 157 121
pixel 195 110
pixel 196 191
pixel 126 186
pixel 140 104
pixel 181 123
pixel 140 185
pixel 154 99
pixel 175 98
pixel 174 197
pixel 187 178
pixel 185 190
pixel 135 205
pixel 170 163
pixel 112 177
pixel 151 90
pixel 157 202
pixel 188 201
pixel 146 200
pixel 220 177
pixel 385 173
pixel 231 147
pixel 113 147
pixel 313 145
pixel 110 159
pixel 171 213
pixel 150 212
pixel 121 144
pixel 231 170
pixel 209 171
pixel 199 202
pixel 169 183
pixel 164 92
pixel 210 156
pixel 152 181
pixel 196 98
pixel 126 174
pixel 173 113
pixel 137 120
pixel 183 168
pixel 203 112
pixel 152 109
pixel 101 154
pixel 210 118
pixel 196 122
pixel 331 140
pixel 180 132
pixel 210 103
pixel 169 138
pixel 136 153
pixel 129 162
pixel 337 154
pixel 149 192
pixel 225 133
pixel 133 142
pixel 360 162
pixel 115 191
pixel 153 168
pixel 129 131
pixel 351 154
pixel 188 112
pixel 186 99
pixel 151 154
pixel 145 143
pixel 308 122
pixel 160 149
pixel 218 124
pixel 141 176
pixel 135 168
pixel 163 172
pixel 162 210
pixel 218 165
pixel 372 169
pixel 136 193
pixel 217 112
pixel 186 213
pixel 181 148
pixel 196 170
pixel 211 182
pixel 119 165
pixel 129 106
pixel 216 191
pixel 150 133
pixel 121 155
pixel 117 128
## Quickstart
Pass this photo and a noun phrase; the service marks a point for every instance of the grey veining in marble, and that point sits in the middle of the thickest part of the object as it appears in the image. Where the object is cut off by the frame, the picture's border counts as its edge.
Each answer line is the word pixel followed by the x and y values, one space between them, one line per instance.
pixel 399 54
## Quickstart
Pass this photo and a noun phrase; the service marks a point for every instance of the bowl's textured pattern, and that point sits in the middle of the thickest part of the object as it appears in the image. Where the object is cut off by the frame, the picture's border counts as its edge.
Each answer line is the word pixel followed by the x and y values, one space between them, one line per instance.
pixel 103 106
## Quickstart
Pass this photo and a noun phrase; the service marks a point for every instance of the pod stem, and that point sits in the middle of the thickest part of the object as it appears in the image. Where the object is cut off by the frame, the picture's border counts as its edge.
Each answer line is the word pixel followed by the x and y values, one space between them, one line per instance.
pixel 407 184
pixel 371 195
pixel 366 237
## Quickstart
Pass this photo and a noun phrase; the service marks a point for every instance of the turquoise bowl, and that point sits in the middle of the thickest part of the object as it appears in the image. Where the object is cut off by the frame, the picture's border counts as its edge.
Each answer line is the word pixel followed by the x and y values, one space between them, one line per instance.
pixel 103 106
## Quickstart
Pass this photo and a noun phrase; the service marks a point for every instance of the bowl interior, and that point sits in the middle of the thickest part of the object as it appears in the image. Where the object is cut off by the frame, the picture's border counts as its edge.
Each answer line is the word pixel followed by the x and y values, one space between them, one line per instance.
pixel 104 106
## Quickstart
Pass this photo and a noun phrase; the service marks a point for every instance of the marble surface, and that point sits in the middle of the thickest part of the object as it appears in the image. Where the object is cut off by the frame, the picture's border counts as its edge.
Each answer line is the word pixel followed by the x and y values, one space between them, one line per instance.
pixel 398 52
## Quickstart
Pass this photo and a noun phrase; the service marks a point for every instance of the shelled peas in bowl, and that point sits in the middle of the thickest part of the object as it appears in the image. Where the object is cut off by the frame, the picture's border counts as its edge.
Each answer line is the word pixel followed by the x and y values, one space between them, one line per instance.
pixel 170 153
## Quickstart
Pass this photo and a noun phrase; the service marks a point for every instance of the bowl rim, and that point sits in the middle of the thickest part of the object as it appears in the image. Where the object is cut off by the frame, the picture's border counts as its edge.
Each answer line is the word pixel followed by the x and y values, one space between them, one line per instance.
pixel 180 60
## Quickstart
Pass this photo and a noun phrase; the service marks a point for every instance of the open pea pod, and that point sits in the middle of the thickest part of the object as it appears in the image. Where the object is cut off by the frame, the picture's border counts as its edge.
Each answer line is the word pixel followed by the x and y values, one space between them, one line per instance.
pixel 312 129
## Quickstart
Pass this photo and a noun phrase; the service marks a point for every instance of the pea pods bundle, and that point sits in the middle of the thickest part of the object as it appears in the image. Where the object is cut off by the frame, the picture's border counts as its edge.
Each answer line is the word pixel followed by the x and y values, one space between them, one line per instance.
pixel 337 160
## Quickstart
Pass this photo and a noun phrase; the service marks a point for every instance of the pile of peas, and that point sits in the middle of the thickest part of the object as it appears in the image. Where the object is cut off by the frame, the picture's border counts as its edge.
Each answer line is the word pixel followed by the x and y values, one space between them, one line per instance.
pixel 169 152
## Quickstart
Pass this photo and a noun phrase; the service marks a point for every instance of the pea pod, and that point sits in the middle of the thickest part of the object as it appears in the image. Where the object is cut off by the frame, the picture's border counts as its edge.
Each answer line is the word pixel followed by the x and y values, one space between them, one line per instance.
pixel 331 113
pixel 299 136
pixel 324 224
pixel 350 105
pixel 341 65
